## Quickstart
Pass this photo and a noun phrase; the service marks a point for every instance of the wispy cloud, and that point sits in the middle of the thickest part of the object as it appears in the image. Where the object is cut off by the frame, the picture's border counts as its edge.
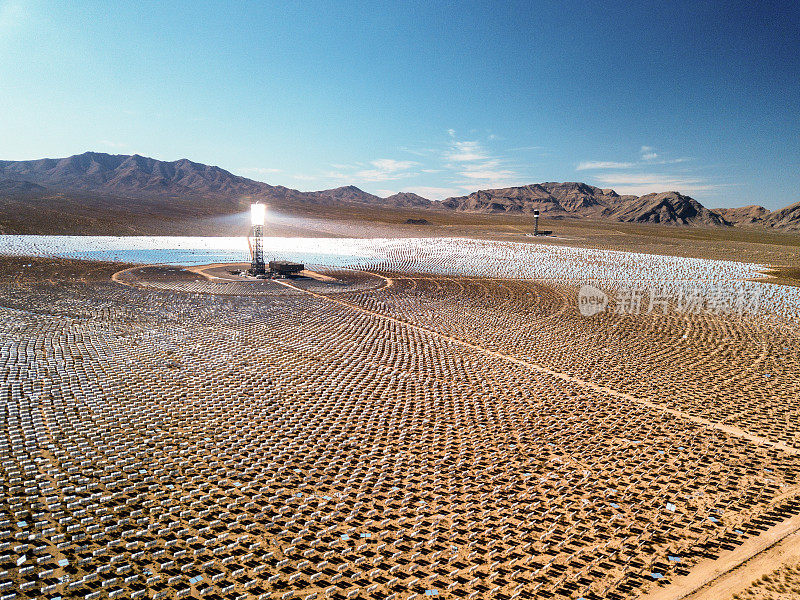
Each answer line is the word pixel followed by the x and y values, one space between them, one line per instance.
pixel 259 170
pixel 488 171
pixel 110 144
pixel 456 166
pixel 418 151
pixel 466 152
pixel 475 167
pixel 338 176
pixel 646 183
pixel 380 169
pixel 392 165
pixel 434 193
pixel 648 153
pixel 603 164
pixel 385 169
pixel 648 158
pixel 355 173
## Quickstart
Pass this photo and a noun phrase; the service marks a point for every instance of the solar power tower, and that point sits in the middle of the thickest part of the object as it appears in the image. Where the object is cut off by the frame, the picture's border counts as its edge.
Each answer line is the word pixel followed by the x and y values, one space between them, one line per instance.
pixel 257 215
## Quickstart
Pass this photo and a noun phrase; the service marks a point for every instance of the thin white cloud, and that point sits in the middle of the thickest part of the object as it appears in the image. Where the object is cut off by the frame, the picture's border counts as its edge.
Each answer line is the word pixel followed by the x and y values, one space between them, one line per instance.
pixel 434 193
pixel 378 175
pixel 474 167
pixel 259 170
pixel 470 186
pixel 390 165
pixel 466 152
pixel 603 164
pixel 646 183
pixel 648 153
pixel 110 144
pixel 493 175
pixel 386 169
pixel 459 166
pixel 382 169
pixel 673 161
pixel 337 176
pixel 418 151
pixel 648 159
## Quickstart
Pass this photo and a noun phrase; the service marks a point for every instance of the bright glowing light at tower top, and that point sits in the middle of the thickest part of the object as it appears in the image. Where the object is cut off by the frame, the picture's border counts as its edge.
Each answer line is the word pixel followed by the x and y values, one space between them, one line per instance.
pixel 257 213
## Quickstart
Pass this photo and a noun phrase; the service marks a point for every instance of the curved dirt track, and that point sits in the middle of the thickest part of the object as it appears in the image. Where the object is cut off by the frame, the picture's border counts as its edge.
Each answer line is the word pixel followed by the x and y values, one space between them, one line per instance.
pixel 729 429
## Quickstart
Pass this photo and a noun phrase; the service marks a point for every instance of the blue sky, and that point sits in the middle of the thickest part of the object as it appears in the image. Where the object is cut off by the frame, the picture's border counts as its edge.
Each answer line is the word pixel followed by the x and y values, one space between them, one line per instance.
pixel 438 98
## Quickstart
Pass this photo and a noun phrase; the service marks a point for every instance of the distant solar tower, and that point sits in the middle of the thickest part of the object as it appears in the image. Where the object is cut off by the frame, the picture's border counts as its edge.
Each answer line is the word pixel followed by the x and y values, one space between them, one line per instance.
pixel 257 215
pixel 535 221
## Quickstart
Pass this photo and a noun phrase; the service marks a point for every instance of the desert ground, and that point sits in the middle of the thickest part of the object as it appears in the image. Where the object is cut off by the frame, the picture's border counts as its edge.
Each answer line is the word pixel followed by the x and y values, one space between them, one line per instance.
pixel 762 245
pixel 417 426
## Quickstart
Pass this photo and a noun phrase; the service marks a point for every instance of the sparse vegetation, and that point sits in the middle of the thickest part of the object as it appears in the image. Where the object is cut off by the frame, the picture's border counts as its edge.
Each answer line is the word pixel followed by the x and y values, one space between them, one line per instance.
pixel 781 584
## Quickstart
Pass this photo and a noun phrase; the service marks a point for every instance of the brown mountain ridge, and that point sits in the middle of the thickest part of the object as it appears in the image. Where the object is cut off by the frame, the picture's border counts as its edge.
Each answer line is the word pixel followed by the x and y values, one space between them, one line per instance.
pixel 131 183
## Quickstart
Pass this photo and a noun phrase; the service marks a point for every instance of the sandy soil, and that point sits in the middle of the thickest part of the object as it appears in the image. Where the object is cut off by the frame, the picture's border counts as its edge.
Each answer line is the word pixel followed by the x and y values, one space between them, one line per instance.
pixel 221 279
pixel 782 275
pixel 763 246
pixel 735 570
pixel 383 434
pixel 589 385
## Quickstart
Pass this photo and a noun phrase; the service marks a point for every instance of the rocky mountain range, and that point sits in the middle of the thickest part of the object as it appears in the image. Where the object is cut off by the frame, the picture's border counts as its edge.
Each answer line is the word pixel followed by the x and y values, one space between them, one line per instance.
pixel 669 208
pixel 551 199
pixel 117 182
pixel 785 218
pixel 125 175
pixel 579 200
pixel 408 199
